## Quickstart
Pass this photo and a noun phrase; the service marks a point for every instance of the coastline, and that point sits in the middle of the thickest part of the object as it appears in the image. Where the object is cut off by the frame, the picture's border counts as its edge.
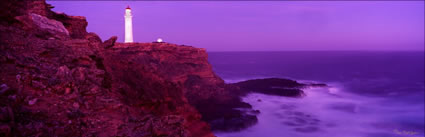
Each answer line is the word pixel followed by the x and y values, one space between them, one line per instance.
pixel 328 111
pixel 64 80
pixel 57 79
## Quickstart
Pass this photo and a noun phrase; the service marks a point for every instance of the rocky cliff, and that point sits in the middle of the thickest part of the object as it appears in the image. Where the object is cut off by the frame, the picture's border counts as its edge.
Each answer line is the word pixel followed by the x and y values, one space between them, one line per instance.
pixel 187 67
pixel 56 79
pixel 59 80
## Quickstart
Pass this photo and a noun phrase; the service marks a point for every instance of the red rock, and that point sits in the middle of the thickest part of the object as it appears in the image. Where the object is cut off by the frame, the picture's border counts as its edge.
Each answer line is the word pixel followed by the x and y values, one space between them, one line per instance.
pixel 32 101
pixel 67 90
pixel 51 25
pixel 3 88
pixel 76 25
pixel 76 105
pixel 39 7
pixel 5 130
pixel 110 42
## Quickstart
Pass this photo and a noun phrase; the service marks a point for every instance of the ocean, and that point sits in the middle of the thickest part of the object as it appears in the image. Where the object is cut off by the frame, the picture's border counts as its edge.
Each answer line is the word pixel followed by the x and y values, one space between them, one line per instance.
pixel 369 93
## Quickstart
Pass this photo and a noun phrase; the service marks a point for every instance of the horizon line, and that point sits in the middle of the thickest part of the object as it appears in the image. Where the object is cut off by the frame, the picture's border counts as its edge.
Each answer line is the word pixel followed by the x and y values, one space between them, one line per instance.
pixel 315 50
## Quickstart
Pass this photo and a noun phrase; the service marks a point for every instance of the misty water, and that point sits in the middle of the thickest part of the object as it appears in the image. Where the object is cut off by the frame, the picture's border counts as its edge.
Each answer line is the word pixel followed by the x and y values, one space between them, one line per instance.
pixel 370 94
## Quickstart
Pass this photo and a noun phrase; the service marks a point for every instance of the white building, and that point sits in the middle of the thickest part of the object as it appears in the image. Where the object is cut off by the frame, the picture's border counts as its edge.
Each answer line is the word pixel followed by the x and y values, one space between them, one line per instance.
pixel 128 25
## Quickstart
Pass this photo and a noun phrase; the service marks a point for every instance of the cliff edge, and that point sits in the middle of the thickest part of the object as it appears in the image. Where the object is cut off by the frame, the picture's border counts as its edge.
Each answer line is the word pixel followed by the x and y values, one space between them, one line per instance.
pixel 187 67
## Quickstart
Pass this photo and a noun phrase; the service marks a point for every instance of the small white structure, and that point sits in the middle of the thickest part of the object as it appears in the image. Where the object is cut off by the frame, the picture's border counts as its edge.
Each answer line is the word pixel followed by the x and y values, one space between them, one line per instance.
pixel 128 26
pixel 159 40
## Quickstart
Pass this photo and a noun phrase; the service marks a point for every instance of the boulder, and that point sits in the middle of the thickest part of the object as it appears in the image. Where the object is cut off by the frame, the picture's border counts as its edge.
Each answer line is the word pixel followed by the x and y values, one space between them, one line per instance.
pixel 76 25
pixel 110 42
pixel 93 39
pixel 52 26
pixel 272 86
pixel 3 88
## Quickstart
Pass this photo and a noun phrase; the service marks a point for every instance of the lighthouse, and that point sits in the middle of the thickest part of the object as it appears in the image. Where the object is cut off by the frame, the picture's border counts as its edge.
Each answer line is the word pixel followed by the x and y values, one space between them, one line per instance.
pixel 128 25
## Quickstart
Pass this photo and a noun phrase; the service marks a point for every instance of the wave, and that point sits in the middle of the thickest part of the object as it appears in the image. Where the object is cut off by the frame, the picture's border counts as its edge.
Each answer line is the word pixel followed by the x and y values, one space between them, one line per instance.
pixel 332 112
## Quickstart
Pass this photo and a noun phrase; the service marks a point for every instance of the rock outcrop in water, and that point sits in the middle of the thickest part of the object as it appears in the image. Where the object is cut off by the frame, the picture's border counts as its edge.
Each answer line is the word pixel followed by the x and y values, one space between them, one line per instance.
pixel 272 86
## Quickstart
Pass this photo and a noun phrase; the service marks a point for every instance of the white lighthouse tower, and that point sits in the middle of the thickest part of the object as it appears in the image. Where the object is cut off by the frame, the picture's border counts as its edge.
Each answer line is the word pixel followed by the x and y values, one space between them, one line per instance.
pixel 128 25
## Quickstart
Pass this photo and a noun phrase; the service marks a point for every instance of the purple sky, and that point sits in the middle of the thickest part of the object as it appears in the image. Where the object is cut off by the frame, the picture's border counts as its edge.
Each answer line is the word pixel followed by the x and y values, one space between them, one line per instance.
pixel 261 26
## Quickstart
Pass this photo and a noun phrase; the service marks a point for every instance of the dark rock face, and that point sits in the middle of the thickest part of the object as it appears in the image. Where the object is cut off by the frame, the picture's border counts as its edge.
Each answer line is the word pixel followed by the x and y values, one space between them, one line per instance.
pixel 275 86
pixel 272 86
pixel 110 42
pixel 39 7
pixel 76 25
